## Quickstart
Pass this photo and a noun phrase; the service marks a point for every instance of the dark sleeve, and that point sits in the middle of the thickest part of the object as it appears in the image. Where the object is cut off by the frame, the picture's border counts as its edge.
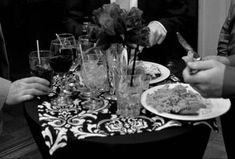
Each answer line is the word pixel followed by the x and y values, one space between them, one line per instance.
pixel 229 84
pixel 73 16
pixel 179 14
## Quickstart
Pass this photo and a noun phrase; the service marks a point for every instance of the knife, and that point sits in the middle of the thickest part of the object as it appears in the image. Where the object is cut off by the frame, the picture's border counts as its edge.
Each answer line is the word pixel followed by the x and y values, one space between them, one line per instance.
pixel 187 47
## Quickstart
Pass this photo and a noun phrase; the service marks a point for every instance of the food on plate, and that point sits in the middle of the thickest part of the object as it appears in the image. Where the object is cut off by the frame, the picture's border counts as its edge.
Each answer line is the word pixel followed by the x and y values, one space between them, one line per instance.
pixel 151 69
pixel 177 100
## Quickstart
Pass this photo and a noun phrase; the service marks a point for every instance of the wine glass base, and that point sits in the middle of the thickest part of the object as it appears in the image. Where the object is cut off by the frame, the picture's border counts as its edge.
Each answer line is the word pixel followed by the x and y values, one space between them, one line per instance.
pixel 93 104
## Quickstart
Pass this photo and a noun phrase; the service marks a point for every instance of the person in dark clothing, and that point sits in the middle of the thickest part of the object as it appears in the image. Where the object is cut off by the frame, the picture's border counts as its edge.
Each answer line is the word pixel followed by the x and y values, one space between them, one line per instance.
pixel 164 18
pixel 12 93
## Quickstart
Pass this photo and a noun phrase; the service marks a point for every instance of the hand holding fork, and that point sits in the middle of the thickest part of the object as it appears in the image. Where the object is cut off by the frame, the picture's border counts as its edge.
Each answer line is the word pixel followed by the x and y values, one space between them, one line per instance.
pixel 192 55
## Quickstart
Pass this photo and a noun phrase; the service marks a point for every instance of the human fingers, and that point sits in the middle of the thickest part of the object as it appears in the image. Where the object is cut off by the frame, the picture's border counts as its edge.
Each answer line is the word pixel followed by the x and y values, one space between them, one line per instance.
pixel 38 86
pixel 160 36
pixel 157 33
pixel 202 65
pixel 18 98
pixel 34 92
pixel 151 39
pixel 222 59
pixel 197 78
pixel 157 37
pixel 25 97
pixel 210 57
pixel 36 80
pixel 187 76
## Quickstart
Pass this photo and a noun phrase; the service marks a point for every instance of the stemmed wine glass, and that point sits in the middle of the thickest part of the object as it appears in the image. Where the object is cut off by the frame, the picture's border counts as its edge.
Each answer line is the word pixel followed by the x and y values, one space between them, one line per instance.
pixel 69 40
pixel 62 56
pixel 61 62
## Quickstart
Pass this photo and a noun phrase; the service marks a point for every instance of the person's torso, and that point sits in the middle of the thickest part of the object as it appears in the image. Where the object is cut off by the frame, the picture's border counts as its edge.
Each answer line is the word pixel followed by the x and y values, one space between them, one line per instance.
pixel 152 9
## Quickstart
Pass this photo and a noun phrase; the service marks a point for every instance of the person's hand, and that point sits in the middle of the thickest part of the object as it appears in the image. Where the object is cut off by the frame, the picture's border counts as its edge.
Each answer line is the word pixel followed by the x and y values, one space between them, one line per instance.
pixel 222 59
pixel 209 80
pixel 157 33
pixel 26 88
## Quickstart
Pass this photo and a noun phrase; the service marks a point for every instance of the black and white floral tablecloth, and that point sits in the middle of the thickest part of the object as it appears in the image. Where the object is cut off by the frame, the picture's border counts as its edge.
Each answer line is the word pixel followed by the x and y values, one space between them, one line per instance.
pixel 61 124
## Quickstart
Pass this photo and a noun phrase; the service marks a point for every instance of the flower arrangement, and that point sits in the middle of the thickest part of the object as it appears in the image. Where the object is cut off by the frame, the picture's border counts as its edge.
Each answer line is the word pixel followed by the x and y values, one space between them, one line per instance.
pixel 118 33
pixel 116 25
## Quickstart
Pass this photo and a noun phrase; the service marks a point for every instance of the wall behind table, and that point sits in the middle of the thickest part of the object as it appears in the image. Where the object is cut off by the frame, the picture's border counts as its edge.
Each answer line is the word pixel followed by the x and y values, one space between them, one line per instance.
pixel 212 14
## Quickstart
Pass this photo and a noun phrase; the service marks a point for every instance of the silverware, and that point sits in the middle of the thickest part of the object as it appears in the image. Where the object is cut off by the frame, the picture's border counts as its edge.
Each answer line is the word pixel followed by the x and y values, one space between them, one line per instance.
pixel 187 47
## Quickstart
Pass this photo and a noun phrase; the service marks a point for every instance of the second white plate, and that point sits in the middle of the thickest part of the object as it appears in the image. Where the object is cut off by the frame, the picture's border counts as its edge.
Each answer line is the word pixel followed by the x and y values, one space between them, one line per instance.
pixel 218 106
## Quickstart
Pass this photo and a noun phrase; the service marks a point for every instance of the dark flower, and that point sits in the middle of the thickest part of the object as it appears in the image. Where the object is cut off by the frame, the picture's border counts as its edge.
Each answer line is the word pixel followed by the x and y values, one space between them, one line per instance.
pixel 134 19
pixel 116 25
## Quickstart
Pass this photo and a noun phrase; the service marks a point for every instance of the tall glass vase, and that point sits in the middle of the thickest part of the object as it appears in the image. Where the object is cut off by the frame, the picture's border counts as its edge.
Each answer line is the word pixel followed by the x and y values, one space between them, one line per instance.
pixel 116 56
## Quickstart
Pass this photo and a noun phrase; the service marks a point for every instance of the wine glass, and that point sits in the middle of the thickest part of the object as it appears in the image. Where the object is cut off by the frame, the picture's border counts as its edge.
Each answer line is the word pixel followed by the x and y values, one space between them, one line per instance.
pixel 68 40
pixel 94 75
pixel 61 62
pixel 85 42
pixel 62 58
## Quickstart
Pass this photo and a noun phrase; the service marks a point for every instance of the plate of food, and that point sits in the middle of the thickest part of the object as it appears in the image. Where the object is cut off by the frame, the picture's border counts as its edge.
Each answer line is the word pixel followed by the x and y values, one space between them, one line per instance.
pixel 156 71
pixel 181 102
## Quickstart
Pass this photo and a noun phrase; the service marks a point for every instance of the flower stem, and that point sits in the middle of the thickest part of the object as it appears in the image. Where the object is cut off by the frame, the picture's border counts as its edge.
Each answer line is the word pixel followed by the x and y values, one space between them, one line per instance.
pixel 133 67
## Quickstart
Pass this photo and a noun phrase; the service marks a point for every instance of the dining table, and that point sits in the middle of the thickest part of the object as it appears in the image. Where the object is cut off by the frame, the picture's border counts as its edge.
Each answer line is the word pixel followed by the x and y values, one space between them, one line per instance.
pixel 73 131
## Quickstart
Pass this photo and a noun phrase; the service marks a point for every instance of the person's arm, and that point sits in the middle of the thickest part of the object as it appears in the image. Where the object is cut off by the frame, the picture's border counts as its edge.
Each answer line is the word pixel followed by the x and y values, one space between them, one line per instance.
pixel 231 59
pixel 177 13
pixel 176 16
pixel 228 83
pixel 4 89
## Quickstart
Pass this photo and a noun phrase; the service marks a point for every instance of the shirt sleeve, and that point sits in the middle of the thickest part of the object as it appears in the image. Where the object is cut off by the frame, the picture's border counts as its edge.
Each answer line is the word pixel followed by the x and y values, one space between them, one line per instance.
pixel 231 59
pixel 4 89
pixel 226 43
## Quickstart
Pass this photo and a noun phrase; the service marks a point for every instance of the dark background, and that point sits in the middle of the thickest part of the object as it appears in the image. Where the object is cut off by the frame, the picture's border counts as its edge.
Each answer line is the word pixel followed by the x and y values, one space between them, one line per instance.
pixel 25 21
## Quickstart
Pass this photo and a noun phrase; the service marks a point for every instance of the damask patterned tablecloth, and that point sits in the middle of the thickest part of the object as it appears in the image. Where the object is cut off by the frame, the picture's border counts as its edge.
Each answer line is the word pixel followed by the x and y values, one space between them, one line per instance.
pixel 74 121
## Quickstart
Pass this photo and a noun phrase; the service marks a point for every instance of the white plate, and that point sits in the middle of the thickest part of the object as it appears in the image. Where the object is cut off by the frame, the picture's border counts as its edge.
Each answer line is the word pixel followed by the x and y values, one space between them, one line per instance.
pixel 215 106
pixel 151 66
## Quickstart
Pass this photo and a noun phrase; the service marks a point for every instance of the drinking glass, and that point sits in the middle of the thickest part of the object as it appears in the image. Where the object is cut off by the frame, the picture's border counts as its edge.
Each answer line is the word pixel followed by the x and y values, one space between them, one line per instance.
pixel 129 89
pixel 61 62
pixel 94 74
pixel 39 63
pixel 62 58
pixel 68 40
pixel 85 42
